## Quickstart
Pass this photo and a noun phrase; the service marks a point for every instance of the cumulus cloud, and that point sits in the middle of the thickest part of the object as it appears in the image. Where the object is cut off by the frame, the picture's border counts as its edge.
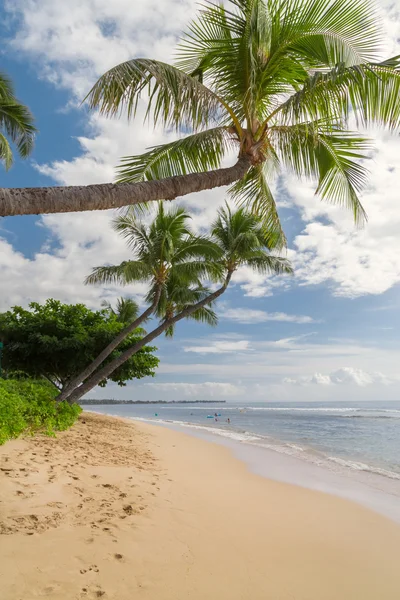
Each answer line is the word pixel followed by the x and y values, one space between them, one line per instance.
pixel 208 389
pixel 78 41
pixel 60 273
pixel 248 316
pixel 353 262
pixel 343 376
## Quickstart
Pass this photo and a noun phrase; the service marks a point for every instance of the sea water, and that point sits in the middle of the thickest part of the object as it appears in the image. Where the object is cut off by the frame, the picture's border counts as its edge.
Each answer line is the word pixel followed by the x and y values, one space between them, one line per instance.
pixel 344 437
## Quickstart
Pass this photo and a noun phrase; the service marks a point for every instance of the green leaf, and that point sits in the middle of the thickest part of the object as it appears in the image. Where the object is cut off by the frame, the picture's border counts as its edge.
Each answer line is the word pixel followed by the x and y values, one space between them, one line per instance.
pixel 371 91
pixel 254 193
pixel 311 150
pixel 174 98
pixel 5 152
pixel 193 154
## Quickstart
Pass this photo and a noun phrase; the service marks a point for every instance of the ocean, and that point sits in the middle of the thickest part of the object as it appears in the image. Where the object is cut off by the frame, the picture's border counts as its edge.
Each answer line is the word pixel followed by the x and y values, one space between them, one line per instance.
pixel 343 437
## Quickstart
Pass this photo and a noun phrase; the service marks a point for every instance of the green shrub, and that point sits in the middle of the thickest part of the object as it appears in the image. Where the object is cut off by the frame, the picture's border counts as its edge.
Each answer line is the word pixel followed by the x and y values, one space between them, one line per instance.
pixel 27 406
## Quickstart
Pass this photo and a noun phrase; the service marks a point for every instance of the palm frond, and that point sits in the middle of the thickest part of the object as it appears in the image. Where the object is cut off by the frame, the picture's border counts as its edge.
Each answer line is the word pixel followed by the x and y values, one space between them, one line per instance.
pixel 123 274
pixel 193 154
pixel 371 91
pixel 245 242
pixel 324 33
pixel 254 193
pixel 175 99
pixel 311 150
pixel 200 269
pixel 269 264
pixel 5 151
pixel 127 310
pixel 17 121
pixel 134 232
pixel 195 246
pixel 227 48
pixel 205 315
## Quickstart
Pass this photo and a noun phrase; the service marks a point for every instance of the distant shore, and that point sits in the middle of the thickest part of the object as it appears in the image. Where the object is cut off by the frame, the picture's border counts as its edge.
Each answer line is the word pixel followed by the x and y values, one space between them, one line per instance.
pixel 90 402
pixel 117 510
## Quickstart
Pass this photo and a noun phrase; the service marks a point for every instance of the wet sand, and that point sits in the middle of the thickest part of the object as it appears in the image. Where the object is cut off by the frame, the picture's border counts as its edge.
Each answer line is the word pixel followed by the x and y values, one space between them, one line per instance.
pixel 118 510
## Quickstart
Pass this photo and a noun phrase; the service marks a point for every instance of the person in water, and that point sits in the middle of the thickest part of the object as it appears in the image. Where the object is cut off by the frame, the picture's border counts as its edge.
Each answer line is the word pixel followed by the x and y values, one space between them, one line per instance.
pixel 228 421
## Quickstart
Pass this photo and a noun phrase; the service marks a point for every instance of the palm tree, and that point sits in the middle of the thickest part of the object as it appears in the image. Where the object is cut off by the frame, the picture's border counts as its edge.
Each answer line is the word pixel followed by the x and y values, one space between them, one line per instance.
pixel 274 80
pixel 242 241
pixel 126 311
pixel 164 253
pixel 16 123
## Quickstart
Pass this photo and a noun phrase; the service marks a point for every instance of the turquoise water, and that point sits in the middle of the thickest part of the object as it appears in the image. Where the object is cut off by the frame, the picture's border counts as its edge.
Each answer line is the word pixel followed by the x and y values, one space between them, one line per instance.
pixel 352 436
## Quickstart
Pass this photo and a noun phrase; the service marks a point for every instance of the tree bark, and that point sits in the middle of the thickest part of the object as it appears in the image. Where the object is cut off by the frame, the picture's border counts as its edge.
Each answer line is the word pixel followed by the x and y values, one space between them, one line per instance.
pixel 34 201
pixel 108 369
pixel 72 385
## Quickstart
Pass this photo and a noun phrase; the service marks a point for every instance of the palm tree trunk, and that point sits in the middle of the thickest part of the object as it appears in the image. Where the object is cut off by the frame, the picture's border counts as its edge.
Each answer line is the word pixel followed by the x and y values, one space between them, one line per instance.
pixel 70 387
pixel 35 201
pixel 108 369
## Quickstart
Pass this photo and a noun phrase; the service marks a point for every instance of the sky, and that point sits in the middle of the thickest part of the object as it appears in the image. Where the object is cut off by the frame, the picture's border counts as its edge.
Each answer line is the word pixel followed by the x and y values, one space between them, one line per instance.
pixel 329 333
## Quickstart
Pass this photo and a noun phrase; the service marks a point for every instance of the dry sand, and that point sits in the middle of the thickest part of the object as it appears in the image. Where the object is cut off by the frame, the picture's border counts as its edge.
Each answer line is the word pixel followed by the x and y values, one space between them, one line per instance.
pixel 122 511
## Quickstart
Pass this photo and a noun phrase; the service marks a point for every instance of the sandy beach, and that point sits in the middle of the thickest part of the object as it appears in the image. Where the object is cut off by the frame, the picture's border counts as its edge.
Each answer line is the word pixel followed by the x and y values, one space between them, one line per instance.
pixel 121 510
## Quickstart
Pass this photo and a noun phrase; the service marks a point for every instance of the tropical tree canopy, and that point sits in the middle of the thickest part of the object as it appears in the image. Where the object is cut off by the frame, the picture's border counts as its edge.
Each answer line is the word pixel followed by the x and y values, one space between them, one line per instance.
pixel 16 124
pixel 54 341
pixel 274 81
pixel 238 239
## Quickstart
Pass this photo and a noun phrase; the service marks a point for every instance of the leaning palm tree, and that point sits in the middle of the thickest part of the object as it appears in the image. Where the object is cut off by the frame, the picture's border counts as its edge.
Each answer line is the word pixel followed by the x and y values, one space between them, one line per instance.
pixel 241 240
pixel 273 81
pixel 165 253
pixel 16 124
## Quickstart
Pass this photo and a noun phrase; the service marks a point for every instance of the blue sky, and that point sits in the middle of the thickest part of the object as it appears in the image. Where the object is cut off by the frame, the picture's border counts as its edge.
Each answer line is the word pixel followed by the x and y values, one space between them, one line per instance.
pixel 328 333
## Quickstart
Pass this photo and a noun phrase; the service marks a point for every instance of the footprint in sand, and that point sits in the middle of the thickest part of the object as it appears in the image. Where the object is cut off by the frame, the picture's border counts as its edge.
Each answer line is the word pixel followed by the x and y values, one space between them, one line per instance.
pixel 93 568
pixel 92 592
pixel 128 509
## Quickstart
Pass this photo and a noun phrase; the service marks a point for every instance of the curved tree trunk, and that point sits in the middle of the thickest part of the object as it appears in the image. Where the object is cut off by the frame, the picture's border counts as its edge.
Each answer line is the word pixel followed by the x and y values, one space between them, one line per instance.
pixel 108 369
pixel 35 201
pixel 72 385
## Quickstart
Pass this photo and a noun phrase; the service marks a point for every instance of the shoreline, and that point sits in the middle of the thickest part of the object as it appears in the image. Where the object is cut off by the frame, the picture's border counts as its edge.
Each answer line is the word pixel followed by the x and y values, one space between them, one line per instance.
pixel 369 489
pixel 129 509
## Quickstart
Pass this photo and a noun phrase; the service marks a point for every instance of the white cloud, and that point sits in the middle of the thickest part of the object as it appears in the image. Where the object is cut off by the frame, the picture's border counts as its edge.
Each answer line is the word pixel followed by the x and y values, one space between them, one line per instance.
pixel 60 273
pixel 208 389
pixel 248 316
pixel 343 376
pixel 78 41
pixel 219 347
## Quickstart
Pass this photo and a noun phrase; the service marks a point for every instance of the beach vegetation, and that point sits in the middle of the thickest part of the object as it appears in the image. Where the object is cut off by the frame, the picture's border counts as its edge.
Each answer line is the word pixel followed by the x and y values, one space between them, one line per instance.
pixel 53 341
pixel 28 406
